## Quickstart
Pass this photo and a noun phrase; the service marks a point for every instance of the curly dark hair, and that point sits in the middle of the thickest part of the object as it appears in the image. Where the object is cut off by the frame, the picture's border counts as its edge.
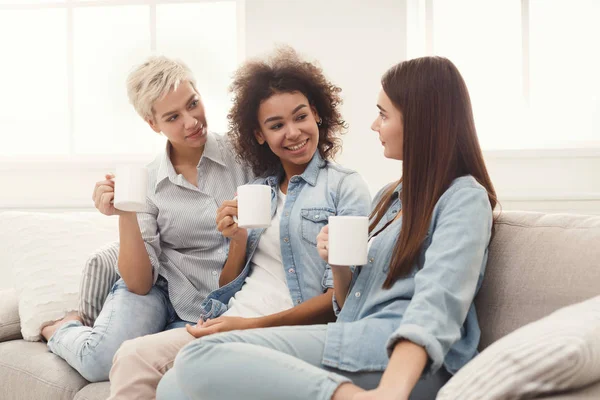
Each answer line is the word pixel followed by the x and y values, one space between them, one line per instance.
pixel 283 72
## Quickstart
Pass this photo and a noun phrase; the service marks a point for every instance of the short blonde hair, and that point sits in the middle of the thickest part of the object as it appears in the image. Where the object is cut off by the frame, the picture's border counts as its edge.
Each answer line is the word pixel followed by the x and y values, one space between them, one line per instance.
pixel 152 80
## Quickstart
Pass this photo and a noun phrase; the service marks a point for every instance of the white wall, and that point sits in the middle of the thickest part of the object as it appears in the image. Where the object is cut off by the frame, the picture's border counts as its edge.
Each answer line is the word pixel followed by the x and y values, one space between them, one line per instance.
pixel 355 42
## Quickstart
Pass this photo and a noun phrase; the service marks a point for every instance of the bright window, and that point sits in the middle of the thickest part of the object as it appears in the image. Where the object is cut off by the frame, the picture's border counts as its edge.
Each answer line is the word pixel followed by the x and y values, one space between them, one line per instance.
pixel 65 65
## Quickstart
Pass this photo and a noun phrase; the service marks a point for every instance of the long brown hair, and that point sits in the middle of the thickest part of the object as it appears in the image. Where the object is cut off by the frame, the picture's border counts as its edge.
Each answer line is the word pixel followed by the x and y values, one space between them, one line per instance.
pixel 440 145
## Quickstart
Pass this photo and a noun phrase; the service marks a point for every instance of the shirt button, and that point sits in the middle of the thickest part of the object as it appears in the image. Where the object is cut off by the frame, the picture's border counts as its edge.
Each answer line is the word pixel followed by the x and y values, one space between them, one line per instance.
pixel 357 294
pixel 291 270
pixel 316 216
pixel 298 301
pixel 214 273
pixel 286 240
pixel 287 214
pixel 371 260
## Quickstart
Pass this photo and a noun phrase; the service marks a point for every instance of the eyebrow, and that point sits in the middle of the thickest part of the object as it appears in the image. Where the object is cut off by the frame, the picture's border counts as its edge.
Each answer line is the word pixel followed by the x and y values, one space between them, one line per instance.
pixel 381 108
pixel 278 117
pixel 173 112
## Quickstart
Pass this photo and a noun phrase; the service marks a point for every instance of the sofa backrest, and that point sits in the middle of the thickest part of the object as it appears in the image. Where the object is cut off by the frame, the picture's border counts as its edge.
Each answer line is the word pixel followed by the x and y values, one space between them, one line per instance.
pixel 537 264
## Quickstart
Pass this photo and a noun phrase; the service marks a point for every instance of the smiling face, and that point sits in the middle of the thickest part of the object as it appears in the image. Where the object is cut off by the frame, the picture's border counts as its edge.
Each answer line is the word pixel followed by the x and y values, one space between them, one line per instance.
pixel 180 117
pixel 288 124
pixel 390 126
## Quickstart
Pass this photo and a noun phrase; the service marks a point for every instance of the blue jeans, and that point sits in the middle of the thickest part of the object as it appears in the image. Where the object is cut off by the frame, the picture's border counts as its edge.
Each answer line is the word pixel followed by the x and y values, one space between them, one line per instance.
pixel 268 364
pixel 125 315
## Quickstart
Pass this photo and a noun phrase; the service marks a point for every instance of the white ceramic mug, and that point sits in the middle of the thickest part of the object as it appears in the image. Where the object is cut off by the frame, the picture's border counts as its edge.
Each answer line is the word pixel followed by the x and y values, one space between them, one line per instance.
pixel 348 240
pixel 254 206
pixel 131 182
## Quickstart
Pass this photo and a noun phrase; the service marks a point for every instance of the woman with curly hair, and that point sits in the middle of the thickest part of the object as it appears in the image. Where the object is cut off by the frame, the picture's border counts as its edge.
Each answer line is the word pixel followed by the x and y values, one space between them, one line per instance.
pixel 285 124
pixel 406 320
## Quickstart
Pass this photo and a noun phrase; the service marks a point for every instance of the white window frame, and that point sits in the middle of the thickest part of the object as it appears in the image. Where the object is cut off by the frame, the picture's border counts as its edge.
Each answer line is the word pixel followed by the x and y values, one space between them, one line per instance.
pixel 572 189
pixel 62 182
pixel 563 180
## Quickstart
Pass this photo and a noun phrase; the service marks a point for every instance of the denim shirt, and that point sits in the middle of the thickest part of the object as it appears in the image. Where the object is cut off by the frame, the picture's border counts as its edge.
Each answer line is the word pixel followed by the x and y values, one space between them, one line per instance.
pixel 323 190
pixel 433 305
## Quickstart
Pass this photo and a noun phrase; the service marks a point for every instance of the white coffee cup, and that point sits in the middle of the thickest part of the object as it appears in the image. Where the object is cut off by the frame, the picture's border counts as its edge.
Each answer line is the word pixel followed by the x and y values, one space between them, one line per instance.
pixel 131 183
pixel 254 206
pixel 348 240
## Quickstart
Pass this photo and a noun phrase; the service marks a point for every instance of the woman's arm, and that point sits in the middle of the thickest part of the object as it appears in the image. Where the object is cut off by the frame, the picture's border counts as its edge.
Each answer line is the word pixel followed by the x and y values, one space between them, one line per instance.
pixel 317 310
pixel 236 259
pixel 134 262
pixel 406 365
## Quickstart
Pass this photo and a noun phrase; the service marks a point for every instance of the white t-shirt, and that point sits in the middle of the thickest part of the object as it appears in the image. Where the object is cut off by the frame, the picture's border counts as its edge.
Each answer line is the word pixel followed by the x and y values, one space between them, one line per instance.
pixel 265 290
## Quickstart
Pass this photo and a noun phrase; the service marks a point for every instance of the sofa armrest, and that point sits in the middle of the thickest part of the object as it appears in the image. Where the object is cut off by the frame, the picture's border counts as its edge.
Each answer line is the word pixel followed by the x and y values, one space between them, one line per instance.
pixel 10 323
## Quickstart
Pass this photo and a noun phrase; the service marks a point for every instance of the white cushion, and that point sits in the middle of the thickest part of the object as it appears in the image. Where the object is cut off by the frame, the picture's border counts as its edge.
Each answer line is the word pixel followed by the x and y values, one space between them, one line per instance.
pixel 46 253
pixel 558 352
pixel 9 315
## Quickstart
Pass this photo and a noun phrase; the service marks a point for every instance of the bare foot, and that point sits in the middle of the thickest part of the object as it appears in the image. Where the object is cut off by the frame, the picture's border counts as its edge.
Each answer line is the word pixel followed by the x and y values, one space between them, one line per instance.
pixel 48 330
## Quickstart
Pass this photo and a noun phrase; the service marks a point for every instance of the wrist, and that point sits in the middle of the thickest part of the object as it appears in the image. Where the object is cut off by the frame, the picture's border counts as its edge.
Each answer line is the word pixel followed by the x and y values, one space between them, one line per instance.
pixel 254 323
pixel 126 215
pixel 240 239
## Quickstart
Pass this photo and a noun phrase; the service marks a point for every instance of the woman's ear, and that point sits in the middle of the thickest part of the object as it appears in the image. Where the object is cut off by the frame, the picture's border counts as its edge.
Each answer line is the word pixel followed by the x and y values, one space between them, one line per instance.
pixel 153 125
pixel 260 138
pixel 315 115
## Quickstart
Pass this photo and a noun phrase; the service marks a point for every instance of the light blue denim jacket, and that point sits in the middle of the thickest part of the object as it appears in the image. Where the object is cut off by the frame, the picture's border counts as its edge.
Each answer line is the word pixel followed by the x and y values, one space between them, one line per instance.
pixel 433 305
pixel 323 190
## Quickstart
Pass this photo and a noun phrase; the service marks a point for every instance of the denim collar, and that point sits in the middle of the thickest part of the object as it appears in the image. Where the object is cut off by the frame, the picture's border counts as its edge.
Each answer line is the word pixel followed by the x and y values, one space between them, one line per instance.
pixel 309 175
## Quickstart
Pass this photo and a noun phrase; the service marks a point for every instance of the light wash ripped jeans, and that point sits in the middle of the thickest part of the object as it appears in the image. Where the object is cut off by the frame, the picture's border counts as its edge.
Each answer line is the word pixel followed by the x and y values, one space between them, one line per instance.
pixel 268 364
pixel 125 315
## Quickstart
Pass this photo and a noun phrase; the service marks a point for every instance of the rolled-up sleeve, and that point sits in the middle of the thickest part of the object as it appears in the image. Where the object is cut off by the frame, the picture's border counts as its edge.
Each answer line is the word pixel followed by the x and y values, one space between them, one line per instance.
pixel 353 199
pixel 151 235
pixel 445 286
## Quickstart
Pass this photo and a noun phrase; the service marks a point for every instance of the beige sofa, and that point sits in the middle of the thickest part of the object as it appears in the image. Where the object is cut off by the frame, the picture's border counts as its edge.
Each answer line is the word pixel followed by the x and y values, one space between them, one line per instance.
pixel 538 263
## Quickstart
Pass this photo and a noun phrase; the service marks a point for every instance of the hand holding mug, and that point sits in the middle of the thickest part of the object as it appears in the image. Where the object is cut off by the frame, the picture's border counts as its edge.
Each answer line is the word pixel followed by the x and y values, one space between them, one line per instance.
pixel 104 194
pixel 323 243
pixel 226 224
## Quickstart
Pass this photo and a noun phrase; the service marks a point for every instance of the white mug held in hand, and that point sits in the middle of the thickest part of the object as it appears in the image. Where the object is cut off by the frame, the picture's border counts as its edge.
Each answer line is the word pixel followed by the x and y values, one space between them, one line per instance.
pixel 130 187
pixel 348 240
pixel 254 206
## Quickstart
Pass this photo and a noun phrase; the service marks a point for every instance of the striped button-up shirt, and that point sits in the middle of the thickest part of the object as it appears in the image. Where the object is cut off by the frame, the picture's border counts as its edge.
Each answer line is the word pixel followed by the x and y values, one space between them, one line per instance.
pixel 179 227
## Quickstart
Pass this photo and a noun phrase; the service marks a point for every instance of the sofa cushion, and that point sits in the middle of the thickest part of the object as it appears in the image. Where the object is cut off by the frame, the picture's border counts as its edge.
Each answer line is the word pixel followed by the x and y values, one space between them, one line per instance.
pixel 94 391
pixel 29 371
pixel 47 253
pixel 10 326
pixel 537 264
pixel 558 352
pixel 99 275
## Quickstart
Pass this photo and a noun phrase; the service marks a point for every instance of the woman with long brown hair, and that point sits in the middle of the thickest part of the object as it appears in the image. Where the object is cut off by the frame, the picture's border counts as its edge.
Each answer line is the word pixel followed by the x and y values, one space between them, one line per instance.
pixel 406 320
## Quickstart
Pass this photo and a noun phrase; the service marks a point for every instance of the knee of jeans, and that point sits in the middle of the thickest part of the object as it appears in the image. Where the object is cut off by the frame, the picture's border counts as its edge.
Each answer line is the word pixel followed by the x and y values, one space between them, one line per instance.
pixel 199 358
pixel 167 388
pixel 95 369
pixel 133 351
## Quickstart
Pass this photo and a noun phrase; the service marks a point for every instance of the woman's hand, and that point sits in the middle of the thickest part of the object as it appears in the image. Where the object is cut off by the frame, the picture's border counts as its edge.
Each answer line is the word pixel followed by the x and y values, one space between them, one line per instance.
pixel 220 324
pixel 227 225
pixel 323 243
pixel 104 195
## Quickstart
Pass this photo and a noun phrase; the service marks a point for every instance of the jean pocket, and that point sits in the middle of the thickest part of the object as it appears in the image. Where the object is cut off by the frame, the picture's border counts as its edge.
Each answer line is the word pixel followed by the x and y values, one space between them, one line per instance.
pixel 313 220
